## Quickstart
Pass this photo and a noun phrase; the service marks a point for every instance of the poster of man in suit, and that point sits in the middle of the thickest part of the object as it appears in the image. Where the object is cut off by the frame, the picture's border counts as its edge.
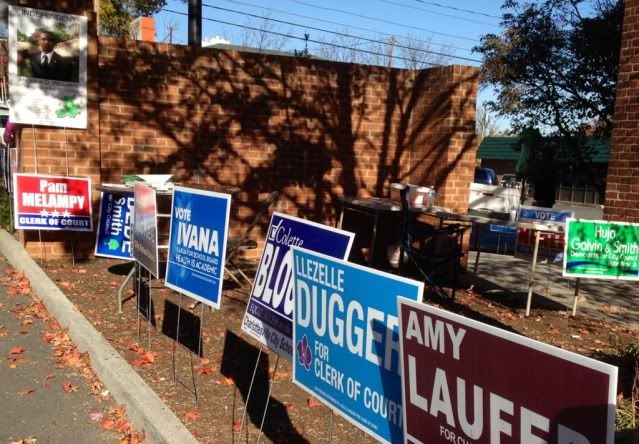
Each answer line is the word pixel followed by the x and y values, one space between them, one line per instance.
pixel 47 68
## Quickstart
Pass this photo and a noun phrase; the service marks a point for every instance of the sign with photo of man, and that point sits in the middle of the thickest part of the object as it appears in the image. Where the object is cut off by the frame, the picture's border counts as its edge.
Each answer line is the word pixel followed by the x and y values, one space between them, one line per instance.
pixel 47 68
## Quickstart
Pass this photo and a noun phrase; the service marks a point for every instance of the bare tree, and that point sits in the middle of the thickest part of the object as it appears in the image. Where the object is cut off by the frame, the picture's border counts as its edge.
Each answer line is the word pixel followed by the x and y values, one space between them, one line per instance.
pixel 340 48
pixel 171 27
pixel 486 124
pixel 417 52
pixel 264 33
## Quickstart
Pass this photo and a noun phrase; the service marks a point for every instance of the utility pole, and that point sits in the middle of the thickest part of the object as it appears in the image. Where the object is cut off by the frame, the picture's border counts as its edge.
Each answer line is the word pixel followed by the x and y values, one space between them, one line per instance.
pixel 390 51
pixel 195 23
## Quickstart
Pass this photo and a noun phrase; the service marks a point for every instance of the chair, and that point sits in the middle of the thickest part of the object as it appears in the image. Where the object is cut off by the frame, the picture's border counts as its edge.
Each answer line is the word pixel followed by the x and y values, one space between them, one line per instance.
pixel 431 251
pixel 242 243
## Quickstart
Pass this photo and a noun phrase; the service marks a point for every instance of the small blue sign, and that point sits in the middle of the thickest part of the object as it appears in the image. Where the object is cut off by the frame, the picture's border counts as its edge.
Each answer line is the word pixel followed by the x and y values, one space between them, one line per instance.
pixel 114 228
pixel 541 214
pixel 503 229
pixel 269 313
pixel 347 345
pixel 197 244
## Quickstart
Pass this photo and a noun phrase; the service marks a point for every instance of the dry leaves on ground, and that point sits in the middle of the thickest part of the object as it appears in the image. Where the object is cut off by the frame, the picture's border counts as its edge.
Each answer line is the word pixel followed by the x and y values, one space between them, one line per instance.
pixel 118 421
pixel 69 388
pixel 191 415
pixel 144 357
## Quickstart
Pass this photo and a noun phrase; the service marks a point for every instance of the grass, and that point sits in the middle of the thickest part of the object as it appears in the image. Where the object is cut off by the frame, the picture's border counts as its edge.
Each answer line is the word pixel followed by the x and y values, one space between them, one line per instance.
pixel 627 420
pixel 6 219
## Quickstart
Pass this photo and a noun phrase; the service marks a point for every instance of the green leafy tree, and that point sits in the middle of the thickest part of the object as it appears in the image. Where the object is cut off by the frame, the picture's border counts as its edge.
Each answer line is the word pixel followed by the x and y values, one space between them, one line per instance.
pixel 115 16
pixel 554 67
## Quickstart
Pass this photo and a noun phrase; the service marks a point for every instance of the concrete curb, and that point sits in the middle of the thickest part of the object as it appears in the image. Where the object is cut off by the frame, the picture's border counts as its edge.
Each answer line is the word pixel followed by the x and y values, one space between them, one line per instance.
pixel 145 409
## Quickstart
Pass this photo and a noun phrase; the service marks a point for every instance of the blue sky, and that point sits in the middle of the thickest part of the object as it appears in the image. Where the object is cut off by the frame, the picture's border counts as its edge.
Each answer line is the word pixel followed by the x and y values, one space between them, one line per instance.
pixel 451 26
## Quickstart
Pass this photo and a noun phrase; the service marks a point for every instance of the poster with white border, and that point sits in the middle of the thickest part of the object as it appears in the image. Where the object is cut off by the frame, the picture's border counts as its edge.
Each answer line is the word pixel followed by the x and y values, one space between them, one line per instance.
pixel 346 335
pixel 46 202
pixel 197 244
pixel 269 312
pixel 113 236
pixel 145 228
pixel 470 382
pixel 47 68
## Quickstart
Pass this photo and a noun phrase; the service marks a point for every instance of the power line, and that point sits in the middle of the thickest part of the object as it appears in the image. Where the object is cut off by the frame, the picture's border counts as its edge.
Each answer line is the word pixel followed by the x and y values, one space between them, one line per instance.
pixel 439 13
pixel 341 33
pixel 351 26
pixel 469 11
pixel 383 20
pixel 365 51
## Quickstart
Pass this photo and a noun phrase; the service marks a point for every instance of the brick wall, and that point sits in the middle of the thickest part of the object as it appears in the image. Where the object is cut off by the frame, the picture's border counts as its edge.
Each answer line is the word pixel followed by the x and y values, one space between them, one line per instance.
pixel 314 130
pixel 622 188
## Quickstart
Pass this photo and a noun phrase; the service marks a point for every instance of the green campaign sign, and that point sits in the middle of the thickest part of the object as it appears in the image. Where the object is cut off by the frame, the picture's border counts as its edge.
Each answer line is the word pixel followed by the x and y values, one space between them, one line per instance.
pixel 599 249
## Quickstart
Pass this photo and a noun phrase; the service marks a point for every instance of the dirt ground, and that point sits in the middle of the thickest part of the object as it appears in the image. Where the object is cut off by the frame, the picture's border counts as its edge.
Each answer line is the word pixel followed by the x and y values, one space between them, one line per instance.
pixel 208 391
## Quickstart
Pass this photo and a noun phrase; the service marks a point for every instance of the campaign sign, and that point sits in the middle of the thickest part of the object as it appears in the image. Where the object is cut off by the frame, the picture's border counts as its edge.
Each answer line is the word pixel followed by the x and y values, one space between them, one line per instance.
pixel 113 238
pixel 197 244
pixel 600 249
pixel 541 214
pixel 52 202
pixel 346 335
pixel 468 382
pixel 269 313
pixel 145 228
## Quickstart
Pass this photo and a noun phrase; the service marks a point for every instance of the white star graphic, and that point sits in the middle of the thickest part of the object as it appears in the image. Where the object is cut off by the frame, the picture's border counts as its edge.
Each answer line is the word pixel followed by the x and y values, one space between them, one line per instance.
pixel 55 213
pixel 44 213
pixel 66 214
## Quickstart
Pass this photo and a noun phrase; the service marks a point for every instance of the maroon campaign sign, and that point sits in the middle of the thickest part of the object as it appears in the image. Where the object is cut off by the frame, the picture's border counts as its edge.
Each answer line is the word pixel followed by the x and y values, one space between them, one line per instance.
pixel 466 382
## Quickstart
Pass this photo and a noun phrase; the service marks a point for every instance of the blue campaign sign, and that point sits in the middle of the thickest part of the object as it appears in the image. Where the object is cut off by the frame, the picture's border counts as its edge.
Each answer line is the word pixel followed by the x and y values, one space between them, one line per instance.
pixel 543 214
pixel 347 344
pixel 113 238
pixel 197 244
pixel 269 313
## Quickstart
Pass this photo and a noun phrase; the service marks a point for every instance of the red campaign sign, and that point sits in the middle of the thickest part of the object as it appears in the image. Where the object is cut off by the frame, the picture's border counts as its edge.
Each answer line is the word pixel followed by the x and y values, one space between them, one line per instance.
pixel 466 382
pixel 52 202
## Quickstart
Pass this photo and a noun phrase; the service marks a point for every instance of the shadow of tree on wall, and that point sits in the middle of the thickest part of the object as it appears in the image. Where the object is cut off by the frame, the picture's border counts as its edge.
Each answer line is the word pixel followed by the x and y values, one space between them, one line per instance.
pixel 310 129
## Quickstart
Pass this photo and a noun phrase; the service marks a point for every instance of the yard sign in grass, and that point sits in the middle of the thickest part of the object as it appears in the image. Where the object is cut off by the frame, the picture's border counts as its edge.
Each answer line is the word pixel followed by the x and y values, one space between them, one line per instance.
pixel 600 249
pixel 197 244
pixel 346 334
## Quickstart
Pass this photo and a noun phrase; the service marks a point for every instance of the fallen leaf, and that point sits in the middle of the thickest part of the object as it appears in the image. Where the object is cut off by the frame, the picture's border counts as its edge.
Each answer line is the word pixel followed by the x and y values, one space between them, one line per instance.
pixel 139 362
pixel 192 415
pixel 97 416
pixel 16 351
pixel 314 402
pixel 107 424
pixel 205 370
pixel 49 376
pixel 26 391
pixel 150 356
pixel 236 426
pixel 69 388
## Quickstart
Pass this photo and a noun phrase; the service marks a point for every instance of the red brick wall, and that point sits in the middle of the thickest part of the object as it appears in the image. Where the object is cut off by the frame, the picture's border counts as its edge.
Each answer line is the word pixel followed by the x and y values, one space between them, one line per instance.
pixel 622 188
pixel 313 130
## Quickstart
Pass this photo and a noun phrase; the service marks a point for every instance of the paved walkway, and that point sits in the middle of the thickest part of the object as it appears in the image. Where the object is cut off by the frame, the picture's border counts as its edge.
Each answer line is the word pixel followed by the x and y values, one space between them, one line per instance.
pixel 616 301
pixel 34 403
